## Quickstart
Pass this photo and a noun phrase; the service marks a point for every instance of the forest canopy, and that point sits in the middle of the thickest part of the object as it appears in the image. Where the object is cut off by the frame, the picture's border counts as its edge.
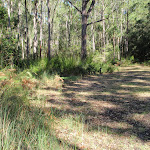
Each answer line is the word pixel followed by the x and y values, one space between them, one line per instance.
pixel 103 30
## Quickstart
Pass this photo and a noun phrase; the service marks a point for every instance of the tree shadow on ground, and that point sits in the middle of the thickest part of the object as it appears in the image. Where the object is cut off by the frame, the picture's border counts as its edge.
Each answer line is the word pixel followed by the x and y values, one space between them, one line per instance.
pixel 110 101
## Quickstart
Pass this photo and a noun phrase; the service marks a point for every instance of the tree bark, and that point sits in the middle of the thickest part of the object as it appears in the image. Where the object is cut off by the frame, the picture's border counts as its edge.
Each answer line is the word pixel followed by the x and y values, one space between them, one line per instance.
pixel 9 15
pixel 35 31
pixel 22 47
pixel 18 28
pixel 26 31
pixel 127 31
pixel 84 15
pixel 93 38
pixel 84 28
pixel 41 29
pixel 104 38
pixel 49 33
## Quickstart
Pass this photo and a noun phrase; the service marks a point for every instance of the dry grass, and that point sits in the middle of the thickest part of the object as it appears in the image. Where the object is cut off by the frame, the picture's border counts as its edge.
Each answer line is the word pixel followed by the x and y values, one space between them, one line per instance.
pixel 105 112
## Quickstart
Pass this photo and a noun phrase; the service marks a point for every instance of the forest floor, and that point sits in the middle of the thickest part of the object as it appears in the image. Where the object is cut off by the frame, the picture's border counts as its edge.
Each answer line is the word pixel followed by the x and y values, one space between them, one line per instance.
pixel 102 112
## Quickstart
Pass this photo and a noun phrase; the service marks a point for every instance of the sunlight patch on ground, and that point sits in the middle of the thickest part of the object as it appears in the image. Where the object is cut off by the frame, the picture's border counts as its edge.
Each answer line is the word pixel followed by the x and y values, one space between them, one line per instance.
pixel 123 91
pixel 48 92
pixel 139 80
pixel 106 93
pixel 84 93
pixel 143 94
pixel 134 86
pixel 103 104
pixel 75 132
pixel 144 118
pixel 118 125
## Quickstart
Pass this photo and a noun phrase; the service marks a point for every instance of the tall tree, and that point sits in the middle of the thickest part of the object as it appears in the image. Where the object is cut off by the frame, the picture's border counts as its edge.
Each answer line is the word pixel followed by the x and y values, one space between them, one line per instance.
pixel 35 30
pixel 18 28
pixel 9 14
pixel 85 15
pixel 49 33
pixel 41 28
pixel 26 31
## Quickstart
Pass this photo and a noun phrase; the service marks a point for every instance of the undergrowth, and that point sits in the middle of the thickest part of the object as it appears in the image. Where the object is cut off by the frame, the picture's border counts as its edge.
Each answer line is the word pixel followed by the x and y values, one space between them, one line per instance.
pixel 69 66
pixel 23 126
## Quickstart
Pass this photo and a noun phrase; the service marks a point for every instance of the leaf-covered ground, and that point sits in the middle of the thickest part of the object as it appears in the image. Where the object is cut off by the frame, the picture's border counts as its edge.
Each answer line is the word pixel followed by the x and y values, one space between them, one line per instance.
pixel 102 112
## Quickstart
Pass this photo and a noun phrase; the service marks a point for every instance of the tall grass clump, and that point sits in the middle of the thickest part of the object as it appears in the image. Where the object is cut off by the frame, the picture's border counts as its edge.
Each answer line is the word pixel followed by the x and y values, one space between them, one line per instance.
pixel 23 126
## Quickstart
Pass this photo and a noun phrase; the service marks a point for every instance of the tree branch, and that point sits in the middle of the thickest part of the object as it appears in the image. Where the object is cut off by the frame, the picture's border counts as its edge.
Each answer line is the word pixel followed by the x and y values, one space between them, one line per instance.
pixel 91 7
pixel 75 6
pixel 105 18
pixel 96 21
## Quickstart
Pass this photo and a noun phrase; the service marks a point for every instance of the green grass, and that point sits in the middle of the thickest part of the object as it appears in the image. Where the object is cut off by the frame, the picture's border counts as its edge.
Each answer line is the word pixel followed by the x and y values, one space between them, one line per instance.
pixel 27 130
pixel 22 126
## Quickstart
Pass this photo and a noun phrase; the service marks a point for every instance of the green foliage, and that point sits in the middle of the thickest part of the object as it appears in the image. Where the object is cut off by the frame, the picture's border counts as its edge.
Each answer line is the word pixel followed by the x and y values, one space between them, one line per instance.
pixel 3 16
pixel 127 61
pixel 139 35
pixel 69 66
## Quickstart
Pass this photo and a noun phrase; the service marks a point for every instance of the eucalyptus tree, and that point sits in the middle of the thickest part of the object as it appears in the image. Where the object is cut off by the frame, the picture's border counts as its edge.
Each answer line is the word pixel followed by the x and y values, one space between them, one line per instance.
pixel 9 15
pixel 35 30
pixel 26 30
pixel 41 27
pixel 49 32
pixel 85 15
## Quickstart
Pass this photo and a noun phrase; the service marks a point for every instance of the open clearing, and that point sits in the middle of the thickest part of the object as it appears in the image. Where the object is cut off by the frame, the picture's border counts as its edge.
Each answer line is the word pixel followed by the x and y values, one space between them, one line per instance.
pixel 103 112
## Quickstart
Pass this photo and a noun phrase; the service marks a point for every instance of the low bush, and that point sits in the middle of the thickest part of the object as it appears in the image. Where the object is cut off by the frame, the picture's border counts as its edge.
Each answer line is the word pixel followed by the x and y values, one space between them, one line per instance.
pixel 70 66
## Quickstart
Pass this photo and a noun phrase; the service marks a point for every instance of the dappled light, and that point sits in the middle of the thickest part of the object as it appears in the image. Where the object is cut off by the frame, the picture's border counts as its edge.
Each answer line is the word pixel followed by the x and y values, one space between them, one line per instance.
pixel 111 105
pixel 74 74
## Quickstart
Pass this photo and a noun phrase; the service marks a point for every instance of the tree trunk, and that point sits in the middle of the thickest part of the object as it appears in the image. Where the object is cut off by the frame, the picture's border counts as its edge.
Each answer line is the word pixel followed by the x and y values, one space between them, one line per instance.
pixel 26 31
pixel 22 47
pixel 93 38
pixel 121 41
pixel 41 29
pixel 49 33
pixel 84 28
pixel 104 42
pixel 35 31
pixel 119 56
pixel 18 29
pixel 127 43
pixel 67 38
pixel 114 45
pixel 69 32
pixel 9 15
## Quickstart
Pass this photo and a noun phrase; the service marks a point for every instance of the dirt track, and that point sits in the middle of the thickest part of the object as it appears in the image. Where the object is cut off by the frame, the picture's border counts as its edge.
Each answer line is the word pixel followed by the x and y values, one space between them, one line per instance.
pixel 115 107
